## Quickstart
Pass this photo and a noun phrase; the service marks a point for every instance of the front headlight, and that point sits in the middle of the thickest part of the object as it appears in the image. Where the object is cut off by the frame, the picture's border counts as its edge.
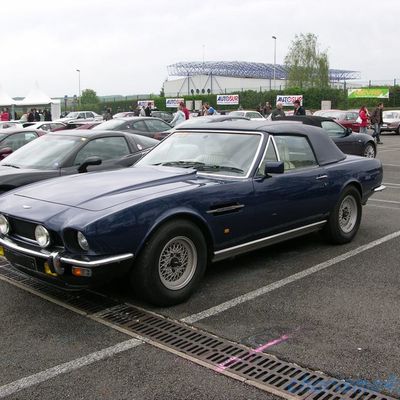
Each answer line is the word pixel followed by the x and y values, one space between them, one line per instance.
pixel 4 225
pixel 42 236
pixel 82 241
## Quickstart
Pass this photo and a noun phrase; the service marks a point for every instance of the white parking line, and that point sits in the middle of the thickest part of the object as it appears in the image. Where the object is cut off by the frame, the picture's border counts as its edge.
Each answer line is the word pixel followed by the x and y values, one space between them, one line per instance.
pixel 391 184
pixel 283 282
pixel 386 201
pixel 385 207
pixel 391 165
pixel 43 376
pixel 50 373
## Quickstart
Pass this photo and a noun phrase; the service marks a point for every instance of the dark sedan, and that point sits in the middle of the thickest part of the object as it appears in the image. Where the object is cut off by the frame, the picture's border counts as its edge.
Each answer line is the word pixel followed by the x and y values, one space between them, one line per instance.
pixel 12 139
pixel 207 192
pixel 148 126
pixel 359 144
pixel 71 152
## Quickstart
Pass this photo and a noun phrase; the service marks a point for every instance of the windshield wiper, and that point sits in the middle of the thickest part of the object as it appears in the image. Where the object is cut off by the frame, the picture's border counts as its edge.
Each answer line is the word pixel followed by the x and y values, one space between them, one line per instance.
pixel 208 167
pixel 11 165
pixel 183 164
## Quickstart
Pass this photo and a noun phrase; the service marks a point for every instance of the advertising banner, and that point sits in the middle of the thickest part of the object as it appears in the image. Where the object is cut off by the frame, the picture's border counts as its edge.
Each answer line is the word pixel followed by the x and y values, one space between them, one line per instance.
pixel 227 99
pixel 364 93
pixel 173 103
pixel 143 103
pixel 288 100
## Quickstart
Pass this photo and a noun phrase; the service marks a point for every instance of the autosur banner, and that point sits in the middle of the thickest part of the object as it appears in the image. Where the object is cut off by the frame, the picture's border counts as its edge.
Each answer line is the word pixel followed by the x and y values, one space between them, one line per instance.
pixel 144 103
pixel 288 100
pixel 173 103
pixel 227 99
pixel 364 93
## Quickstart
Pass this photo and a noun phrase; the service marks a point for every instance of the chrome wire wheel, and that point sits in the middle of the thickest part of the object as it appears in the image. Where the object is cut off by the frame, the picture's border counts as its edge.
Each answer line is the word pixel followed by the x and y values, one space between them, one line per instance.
pixel 348 213
pixel 369 151
pixel 177 263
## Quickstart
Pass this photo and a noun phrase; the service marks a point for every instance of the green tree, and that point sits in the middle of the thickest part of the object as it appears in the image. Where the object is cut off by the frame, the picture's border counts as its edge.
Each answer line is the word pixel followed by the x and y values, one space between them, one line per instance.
pixel 307 66
pixel 89 96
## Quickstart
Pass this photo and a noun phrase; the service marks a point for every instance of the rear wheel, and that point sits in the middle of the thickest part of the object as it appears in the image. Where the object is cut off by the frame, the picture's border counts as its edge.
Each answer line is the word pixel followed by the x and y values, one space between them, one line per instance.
pixel 345 218
pixel 369 151
pixel 171 265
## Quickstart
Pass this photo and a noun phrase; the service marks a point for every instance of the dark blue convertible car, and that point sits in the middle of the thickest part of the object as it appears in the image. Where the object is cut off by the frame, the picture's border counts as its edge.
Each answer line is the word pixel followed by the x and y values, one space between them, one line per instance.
pixel 205 193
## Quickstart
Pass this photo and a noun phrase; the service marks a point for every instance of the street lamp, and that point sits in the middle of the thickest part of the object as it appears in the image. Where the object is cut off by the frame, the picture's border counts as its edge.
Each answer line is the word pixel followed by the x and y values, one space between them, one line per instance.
pixel 274 37
pixel 79 82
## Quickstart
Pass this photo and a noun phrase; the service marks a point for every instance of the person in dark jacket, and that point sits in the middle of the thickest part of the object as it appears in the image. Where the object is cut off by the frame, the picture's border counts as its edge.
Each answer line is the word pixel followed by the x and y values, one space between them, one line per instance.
pixel 376 122
pixel 298 108
pixel 147 110
pixel 278 112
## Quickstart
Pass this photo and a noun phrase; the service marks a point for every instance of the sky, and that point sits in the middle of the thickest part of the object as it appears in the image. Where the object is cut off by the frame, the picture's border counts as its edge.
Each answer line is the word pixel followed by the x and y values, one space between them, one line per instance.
pixel 124 46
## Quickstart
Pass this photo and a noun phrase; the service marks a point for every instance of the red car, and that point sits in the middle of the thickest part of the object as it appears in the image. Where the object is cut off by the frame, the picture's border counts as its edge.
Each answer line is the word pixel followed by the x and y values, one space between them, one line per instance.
pixel 345 118
pixel 12 139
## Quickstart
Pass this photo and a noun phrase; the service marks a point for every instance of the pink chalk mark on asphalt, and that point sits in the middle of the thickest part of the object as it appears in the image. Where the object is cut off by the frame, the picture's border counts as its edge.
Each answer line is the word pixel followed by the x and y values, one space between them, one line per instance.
pixel 234 360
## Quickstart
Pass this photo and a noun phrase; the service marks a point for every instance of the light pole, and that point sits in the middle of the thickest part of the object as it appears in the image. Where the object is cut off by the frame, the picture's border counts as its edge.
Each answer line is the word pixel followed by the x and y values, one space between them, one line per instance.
pixel 274 37
pixel 79 83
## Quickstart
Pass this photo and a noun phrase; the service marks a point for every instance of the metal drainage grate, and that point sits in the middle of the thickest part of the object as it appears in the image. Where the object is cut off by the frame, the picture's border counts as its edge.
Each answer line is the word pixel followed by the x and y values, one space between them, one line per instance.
pixel 84 301
pixel 264 371
pixel 260 369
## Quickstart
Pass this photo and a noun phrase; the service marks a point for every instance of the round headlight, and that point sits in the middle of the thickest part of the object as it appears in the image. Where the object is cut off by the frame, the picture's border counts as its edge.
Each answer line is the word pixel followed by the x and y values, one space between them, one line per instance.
pixel 82 241
pixel 42 236
pixel 4 225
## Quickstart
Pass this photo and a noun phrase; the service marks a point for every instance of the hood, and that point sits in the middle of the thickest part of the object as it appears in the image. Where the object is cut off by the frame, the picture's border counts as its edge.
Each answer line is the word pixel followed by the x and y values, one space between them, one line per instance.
pixel 14 177
pixel 100 190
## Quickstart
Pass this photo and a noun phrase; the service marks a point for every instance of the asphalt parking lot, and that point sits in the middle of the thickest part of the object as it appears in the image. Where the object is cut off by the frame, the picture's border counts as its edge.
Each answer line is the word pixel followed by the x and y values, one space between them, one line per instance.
pixel 331 309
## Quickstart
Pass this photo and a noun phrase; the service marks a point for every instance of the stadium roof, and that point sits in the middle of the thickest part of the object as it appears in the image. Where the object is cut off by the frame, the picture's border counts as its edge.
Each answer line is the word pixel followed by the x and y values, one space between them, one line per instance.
pixel 243 69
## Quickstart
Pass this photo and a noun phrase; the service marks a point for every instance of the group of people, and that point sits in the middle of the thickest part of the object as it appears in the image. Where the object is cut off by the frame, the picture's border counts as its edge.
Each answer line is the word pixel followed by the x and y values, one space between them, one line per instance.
pixel 374 120
pixel 182 114
pixel 278 112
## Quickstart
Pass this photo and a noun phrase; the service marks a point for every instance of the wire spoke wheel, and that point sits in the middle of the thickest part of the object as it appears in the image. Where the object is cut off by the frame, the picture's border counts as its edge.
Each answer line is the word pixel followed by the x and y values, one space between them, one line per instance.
pixel 177 263
pixel 348 213
pixel 369 151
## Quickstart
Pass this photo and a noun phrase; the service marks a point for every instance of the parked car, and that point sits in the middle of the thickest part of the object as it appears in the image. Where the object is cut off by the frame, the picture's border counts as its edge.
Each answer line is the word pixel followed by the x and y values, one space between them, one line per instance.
pixel 83 124
pixel 148 126
pixel 250 114
pixel 80 116
pixel 48 126
pixel 291 112
pixel 391 121
pixel 125 114
pixel 359 144
pixel 13 139
pixel 164 115
pixel 10 124
pixel 71 152
pixel 205 193
pixel 346 118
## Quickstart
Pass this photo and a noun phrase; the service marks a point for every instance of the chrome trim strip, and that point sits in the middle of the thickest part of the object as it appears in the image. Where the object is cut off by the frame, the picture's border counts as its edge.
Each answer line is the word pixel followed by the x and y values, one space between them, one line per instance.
pixel 380 188
pixel 225 209
pixel 321 177
pixel 269 240
pixel 46 255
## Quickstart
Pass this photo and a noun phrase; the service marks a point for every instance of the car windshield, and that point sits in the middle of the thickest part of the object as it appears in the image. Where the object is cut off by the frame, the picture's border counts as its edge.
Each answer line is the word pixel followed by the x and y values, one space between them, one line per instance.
pixel 217 153
pixel 391 115
pixel 72 115
pixel 237 113
pixel 332 114
pixel 46 152
pixel 109 125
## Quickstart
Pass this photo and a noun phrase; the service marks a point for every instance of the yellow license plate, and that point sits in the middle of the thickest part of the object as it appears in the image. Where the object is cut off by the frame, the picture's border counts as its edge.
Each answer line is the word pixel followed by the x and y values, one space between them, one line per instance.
pixel 1 251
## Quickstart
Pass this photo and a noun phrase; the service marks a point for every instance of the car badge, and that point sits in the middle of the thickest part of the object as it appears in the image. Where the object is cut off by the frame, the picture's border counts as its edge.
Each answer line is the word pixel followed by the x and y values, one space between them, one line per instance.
pixel 26 207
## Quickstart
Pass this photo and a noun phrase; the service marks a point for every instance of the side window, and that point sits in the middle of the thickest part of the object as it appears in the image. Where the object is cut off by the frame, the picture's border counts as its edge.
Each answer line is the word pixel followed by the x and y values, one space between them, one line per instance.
pixel 295 152
pixel 140 126
pixel 333 129
pixel 18 140
pixel 270 155
pixel 108 148
pixel 155 125
pixel 89 115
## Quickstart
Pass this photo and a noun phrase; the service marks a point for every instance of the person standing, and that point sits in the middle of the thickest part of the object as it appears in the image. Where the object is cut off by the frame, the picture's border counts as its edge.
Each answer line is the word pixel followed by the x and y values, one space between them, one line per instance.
pixel 298 108
pixel 147 110
pixel 178 117
pixel 185 110
pixel 31 116
pixel 267 109
pixel 278 112
pixel 376 121
pixel 4 116
pixel 363 114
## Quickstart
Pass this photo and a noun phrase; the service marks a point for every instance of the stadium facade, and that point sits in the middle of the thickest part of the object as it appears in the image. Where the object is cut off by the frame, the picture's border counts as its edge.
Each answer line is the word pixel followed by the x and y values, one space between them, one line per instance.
pixel 229 76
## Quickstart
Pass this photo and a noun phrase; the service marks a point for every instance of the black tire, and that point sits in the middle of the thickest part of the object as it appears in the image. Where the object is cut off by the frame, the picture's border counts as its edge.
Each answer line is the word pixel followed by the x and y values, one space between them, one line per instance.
pixel 171 264
pixel 345 218
pixel 369 150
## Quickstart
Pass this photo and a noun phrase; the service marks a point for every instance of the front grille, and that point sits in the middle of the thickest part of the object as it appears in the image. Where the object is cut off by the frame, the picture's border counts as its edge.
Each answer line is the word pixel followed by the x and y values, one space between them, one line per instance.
pixel 26 229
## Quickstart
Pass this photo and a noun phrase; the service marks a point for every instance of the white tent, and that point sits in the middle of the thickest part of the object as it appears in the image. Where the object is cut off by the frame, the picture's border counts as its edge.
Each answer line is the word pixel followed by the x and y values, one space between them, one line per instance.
pixel 38 98
pixel 5 99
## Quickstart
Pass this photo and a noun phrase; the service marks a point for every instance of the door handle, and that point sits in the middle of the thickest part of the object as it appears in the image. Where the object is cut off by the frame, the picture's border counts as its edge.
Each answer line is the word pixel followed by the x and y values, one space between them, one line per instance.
pixel 319 177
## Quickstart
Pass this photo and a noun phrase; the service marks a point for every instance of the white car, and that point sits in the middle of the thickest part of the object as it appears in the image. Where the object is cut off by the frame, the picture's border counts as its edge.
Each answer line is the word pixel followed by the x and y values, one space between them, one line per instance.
pixel 81 115
pixel 250 114
pixel 391 121
pixel 47 126
pixel 10 124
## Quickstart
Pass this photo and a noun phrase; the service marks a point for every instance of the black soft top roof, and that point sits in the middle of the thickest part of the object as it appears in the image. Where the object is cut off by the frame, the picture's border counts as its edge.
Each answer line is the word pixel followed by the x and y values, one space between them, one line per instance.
pixel 326 150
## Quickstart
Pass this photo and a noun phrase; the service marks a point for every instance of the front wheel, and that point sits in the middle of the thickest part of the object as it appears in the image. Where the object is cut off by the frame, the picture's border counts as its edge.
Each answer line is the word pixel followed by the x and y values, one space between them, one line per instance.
pixel 345 218
pixel 171 265
pixel 369 151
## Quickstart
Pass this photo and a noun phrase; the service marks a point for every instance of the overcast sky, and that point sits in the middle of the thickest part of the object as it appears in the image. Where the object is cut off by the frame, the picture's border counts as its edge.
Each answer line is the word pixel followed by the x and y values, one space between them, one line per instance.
pixel 124 46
